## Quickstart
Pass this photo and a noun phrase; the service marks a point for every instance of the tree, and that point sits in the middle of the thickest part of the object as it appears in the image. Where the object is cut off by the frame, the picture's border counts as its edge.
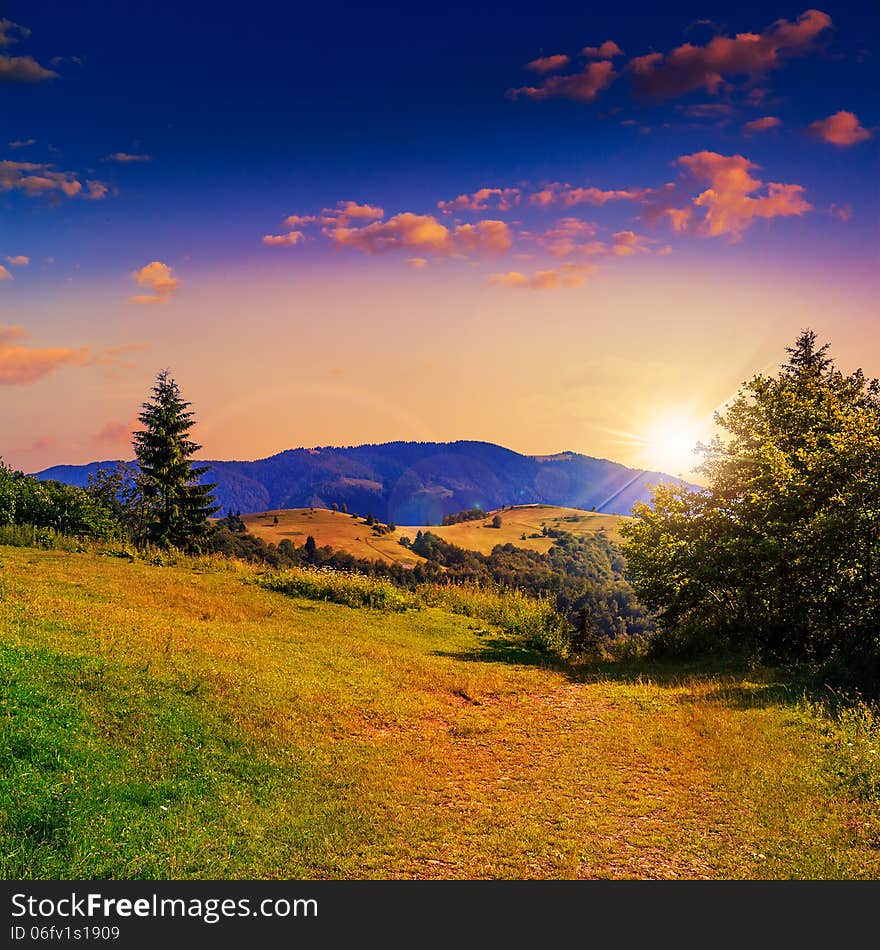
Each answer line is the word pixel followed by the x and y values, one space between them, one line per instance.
pixel 275 520
pixel 178 505
pixel 310 548
pixel 496 521
pixel 335 507
pixel 780 555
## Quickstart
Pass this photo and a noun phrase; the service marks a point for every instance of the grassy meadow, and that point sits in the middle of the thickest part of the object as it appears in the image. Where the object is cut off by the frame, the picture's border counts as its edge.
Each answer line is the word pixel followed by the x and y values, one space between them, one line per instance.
pixel 184 721
pixel 345 533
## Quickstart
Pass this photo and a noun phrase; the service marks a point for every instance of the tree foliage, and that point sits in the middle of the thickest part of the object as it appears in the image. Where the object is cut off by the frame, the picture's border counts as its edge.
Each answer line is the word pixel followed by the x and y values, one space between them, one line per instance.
pixel 780 554
pixel 178 504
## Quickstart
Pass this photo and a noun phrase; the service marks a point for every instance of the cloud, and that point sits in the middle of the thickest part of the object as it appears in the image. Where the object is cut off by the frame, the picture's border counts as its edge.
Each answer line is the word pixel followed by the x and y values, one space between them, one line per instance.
pixel 570 236
pixel 841 212
pixel 157 277
pixel 707 110
pixel 549 64
pixel 289 239
pixel 11 33
pixel 417 262
pixel 423 232
pixel 567 196
pixel 22 143
pixel 584 86
pixel 18 260
pixel 127 158
pixel 567 275
pixel 347 211
pixel 4 274
pixel 115 433
pixel 752 55
pixel 842 129
pixel 23 69
pixel 38 180
pixel 499 199
pixel 607 50
pixel 730 201
pixel 763 124
pixel 294 221
pixel 42 443
pixel 21 365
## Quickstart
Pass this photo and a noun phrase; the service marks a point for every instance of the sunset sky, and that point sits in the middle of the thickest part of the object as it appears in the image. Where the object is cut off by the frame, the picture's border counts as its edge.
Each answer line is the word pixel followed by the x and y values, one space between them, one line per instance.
pixel 542 225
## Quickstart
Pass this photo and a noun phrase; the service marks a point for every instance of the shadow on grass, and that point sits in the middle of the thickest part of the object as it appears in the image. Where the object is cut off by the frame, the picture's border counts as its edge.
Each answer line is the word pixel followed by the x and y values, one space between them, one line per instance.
pixel 728 681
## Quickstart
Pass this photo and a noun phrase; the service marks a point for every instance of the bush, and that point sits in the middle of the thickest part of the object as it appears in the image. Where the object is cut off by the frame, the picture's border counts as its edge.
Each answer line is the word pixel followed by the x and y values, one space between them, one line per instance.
pixel 339 587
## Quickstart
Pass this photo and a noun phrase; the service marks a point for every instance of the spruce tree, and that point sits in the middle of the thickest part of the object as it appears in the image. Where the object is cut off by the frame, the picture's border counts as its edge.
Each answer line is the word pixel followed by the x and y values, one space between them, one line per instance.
pixel 178 505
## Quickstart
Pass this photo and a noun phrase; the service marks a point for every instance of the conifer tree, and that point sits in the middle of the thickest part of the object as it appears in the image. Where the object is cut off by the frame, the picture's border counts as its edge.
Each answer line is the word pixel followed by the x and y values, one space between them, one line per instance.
pixel 178 505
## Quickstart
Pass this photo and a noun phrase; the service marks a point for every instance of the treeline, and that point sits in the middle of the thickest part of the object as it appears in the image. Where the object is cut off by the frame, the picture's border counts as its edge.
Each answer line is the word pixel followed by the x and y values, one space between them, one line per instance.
pixel 469 514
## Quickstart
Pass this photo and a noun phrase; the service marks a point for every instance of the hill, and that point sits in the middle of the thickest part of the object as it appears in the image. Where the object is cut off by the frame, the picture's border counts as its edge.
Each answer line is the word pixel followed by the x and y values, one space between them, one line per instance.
pixel 415 483
pixel 346 533
pixel 181 722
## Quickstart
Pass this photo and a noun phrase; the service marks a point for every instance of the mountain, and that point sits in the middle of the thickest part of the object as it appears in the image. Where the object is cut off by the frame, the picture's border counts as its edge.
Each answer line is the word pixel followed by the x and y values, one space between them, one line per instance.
pixel 414 483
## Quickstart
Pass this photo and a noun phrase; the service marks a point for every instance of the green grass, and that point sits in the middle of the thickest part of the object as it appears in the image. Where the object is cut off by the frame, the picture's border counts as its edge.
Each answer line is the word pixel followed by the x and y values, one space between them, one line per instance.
pixel 176 721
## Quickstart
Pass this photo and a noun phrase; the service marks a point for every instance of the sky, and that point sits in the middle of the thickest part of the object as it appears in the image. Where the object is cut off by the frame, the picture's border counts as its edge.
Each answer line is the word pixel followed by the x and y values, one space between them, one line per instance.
pixel 554 228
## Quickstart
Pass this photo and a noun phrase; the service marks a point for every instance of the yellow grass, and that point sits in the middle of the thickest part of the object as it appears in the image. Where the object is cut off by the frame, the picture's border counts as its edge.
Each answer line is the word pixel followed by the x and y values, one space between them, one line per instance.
pixel 333 528
pixel 223 730
pixel 353 535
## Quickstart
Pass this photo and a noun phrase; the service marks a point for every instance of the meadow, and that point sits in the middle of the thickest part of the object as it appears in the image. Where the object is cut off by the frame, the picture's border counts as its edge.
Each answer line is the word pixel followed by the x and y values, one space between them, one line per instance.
pixel 343 532
pixel 185 721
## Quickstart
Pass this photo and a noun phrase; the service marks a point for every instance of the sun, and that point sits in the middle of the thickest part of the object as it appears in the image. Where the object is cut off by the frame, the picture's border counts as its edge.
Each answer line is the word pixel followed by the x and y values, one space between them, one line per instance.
pixel 670 445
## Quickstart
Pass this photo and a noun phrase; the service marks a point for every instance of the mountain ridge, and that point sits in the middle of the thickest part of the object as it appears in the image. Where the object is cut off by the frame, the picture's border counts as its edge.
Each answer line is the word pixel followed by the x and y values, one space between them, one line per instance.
pixel 414 482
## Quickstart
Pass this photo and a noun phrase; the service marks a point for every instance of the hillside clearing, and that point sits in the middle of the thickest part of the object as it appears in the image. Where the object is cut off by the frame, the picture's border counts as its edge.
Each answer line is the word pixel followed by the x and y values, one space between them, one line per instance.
pixel 345 533
pixel 171 722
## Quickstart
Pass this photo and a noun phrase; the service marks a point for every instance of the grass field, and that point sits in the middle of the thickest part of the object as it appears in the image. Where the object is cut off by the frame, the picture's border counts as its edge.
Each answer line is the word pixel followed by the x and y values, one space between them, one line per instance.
pixel 349 534
pixel 181 722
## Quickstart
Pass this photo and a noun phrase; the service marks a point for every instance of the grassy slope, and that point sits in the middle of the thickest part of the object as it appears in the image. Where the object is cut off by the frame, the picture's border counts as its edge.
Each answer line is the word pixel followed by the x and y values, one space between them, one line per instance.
pixel 349 534
pixel 166 722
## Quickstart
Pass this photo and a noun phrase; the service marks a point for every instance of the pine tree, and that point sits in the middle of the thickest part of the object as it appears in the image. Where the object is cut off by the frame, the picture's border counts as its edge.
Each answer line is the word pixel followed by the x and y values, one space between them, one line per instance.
pixel 178 505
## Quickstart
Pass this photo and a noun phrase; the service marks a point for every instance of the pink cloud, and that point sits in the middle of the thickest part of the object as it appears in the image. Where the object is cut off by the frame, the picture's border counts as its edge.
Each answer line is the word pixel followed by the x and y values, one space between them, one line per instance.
pixel 499 199
pixel 127 158
pixel 549 64
pixel 23 69
pixel 607 50
pixel 42 443
pixel 348 211
pixel 18 260
pixel 21 365
pixel 763 124
pixel 115 433
pixel 584 86
pixel 5 273
pixel 842 129
pixel 689 67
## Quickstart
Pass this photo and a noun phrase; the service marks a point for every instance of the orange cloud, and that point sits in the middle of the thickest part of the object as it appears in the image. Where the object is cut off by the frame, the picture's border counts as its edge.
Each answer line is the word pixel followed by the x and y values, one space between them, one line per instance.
pixel 23 69
pixel 567 196
pixel 347 211
pixel 42 443
pixel 5 274
pixel 729 205
pixel 500 199
pixel 568 275
pixel 21 365
pixel 689 67
pixel 417 262
pixel 762 125
pixel 36 180
pixel 289 239
pixel 584 86
pixel 18 260
pixel 294 221
pixel 157 277
pixel 12 32
pixel 423 232
pixel 842 129
pixel 607 50
pixel 571 236
pixel 548 64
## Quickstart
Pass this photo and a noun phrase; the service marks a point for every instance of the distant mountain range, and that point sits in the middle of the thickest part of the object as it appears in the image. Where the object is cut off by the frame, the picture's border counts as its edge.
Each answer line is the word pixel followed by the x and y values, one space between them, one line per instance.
pixel 414 483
